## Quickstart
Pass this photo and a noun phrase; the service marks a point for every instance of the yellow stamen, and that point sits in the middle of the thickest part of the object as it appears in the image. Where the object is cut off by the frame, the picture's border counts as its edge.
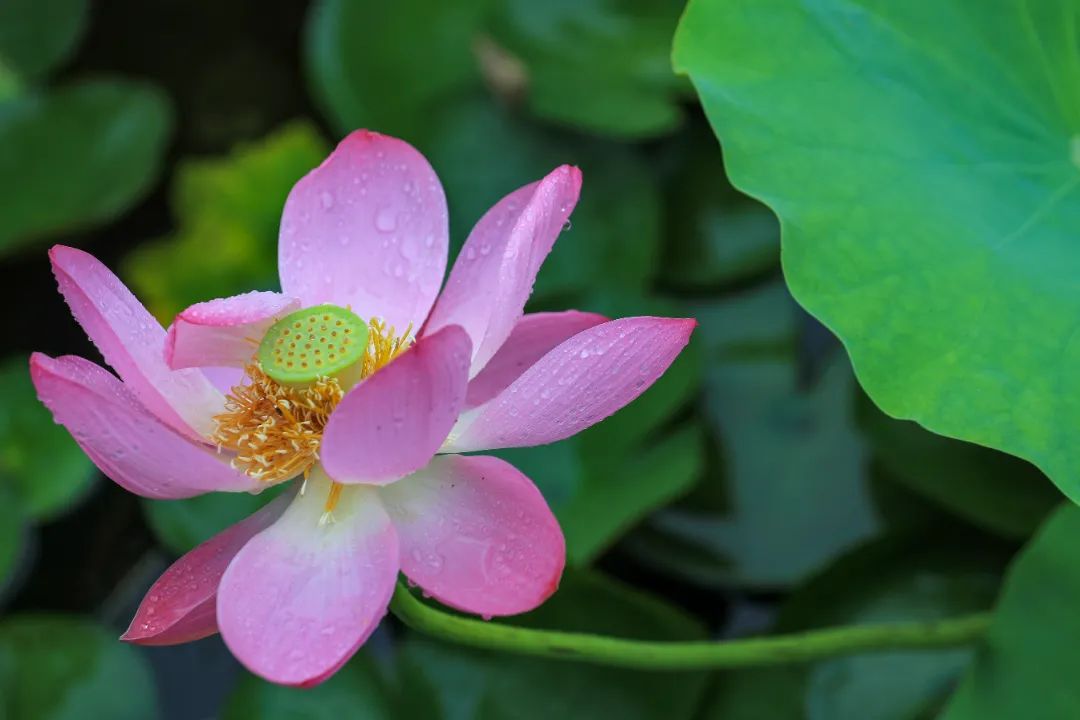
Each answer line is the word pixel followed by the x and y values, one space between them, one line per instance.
pixel 333 497
pixel 276 430
pixel 383 346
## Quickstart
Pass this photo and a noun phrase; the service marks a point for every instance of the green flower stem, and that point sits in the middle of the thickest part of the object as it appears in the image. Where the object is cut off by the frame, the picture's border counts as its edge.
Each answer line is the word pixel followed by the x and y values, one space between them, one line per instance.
pixel 776 650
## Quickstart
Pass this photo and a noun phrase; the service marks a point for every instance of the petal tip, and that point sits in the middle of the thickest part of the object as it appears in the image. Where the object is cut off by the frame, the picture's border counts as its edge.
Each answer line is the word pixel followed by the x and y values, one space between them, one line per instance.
pixel 363 136
pixel 61 257
pixel 130 635
pixel 682 326
pixel 58 251
pixel 136 636
pixel 569 175
pixel 40 366
pixel 37 359
pixel 687 324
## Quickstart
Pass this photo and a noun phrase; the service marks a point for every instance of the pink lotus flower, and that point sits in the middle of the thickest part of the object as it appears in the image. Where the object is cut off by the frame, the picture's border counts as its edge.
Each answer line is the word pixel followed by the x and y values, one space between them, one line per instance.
pixel 245 392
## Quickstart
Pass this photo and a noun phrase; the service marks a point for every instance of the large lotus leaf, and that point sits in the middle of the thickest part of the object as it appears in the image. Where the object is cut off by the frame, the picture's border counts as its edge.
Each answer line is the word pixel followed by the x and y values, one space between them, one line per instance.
pixel 993 490
pixel 924 160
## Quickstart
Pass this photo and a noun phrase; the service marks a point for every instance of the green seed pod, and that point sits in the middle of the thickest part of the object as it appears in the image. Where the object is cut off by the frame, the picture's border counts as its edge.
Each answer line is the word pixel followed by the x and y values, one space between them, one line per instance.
pixel 307 344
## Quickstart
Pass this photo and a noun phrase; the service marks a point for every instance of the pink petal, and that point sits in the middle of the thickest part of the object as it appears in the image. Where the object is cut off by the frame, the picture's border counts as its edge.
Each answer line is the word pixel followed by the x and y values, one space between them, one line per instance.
pixel 395 421
pixel 302 596
pixel 367 229
pixel 133 342
pixel 131 446
pixel 531 339
pixel 224 332
pixel 578 384
pixel 477 535
pixel 182 605
pixel 494 274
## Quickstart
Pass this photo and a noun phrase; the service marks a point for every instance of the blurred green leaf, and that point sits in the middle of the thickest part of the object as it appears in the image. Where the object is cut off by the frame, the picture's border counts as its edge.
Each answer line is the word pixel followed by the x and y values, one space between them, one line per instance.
pixel 715 234
pixel 228 211
pixel 355 691
pixel 898 578
pixel 416 697
pixel 677 554
pixel 388 66
pixel 904 510
pixel 596 505
pixel 601 65
pixel 45 468
pixel 180 525
pixel 363 74
pixel 993 490
pixel 499 686
pixel 615 497
pixel 923 159
pixel 66 668
pixel 796 479
pixel 556 469
pixel 12 539
pixel 483 153
pixel 9 83
pixel 37 35
pixel 1028 664
pixel 773 693
pixel 77 155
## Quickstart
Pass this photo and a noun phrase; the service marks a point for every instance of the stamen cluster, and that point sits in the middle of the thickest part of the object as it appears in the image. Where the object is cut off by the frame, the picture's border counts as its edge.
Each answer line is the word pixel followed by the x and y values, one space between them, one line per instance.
pixel 274 429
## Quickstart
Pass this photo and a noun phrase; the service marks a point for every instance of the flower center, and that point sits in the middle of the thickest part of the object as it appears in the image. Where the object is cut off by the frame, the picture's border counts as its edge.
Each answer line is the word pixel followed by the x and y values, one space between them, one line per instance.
pixel 320 341
pixel 305 364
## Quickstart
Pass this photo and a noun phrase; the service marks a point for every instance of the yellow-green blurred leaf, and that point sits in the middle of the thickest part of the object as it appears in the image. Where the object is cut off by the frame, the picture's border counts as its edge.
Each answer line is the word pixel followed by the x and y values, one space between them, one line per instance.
pixel 228 211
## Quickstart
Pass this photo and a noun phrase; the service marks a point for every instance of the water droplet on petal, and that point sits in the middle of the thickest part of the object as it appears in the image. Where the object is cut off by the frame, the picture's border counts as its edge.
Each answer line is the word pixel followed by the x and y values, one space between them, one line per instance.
pixel 386 219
